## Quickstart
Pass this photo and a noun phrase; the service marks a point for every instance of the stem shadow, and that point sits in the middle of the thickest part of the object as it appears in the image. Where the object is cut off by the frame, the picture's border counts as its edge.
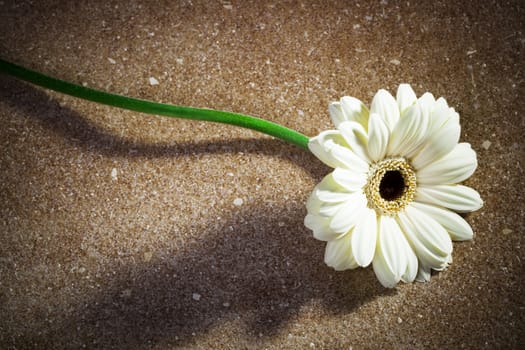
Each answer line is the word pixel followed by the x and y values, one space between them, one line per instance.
pixel 77 130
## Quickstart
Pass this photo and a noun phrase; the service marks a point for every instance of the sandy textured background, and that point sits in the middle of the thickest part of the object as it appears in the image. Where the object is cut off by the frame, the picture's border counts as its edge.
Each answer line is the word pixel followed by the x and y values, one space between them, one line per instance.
pixel 114 223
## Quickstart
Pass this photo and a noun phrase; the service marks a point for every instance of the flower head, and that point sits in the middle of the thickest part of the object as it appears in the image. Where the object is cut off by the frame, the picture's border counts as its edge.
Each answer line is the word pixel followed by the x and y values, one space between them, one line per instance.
pixel 392 197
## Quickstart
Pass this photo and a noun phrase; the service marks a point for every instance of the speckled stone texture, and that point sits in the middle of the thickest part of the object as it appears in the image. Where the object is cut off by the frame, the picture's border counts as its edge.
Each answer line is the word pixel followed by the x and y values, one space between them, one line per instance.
pixel 127 231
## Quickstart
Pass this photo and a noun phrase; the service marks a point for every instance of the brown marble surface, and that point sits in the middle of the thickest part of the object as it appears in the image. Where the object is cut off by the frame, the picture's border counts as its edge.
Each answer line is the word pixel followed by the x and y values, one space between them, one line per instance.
pixel 119 230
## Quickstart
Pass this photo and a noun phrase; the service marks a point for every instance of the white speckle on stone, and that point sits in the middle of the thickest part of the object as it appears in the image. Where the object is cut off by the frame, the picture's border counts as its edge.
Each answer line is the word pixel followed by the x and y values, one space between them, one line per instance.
pixel 486 144
pixel 399 320
pixel 356 26
pixel 507 231
pixel 179 60
pixel 395 61
pixel 114 173
pixel 369 18
pixel 196 296
pixel 111 60
pixel 226 304
pixel 312 346
pixel 229 174
pixel 471 52
pixel 238 202
pixel 227 6
pixel 153 81
pixel 301 112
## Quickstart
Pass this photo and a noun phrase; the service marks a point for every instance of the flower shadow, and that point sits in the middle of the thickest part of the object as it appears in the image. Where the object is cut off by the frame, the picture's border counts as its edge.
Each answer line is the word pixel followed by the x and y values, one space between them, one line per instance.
pixel 260 267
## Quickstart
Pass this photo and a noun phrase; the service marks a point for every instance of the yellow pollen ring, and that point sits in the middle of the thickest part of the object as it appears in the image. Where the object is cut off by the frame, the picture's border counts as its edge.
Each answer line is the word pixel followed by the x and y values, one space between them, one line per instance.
pixel 375 176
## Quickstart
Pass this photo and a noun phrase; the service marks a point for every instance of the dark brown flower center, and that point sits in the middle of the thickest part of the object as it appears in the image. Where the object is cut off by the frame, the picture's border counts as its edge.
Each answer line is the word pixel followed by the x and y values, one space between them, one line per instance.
pixel 391 185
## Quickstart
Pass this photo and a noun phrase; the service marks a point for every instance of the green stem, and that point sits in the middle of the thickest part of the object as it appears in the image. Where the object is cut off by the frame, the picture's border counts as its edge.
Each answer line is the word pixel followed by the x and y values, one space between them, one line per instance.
pixel 150 107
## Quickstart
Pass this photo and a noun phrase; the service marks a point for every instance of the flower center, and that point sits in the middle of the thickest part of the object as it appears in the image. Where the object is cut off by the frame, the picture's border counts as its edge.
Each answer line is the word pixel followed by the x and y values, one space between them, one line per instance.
pixel 391 185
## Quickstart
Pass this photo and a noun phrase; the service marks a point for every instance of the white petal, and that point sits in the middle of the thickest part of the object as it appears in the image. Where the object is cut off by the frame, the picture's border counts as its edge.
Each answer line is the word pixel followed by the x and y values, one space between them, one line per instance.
pixel 326 198
pixel 423 110
pixel 364 238
pixel 336 113
pixel 322 144
pixel 378 135
pixel 386 107
pixel 454 116
pixel 356 137
pixel 393 246
pixel 430 232
pixel 354 110
pixel 330 209
pixel 394 259
pixel 331 148
pixel 351 181
pixel 428 104
pixel 324 209
pixel 329 191
pixel 313 204
pixel 456 226
pixel 454 167
pixel 441 143
pixel 321 229
pixel 338 254
pixel 409 132
pixel 388 232
pixel 425 247
pixel 456 197
pixel 385 276
pixel 331 196
pixel 441 114
pixel 328 183
pixel 318 145
pixel 423 274
pixel 313 220
pixel 348 214
pixel 412 263
pixel 405 97
pixel 350 160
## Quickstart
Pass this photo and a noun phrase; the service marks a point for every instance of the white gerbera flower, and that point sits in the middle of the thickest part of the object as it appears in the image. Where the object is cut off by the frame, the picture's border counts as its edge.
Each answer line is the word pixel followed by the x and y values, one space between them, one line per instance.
pixel 391 197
